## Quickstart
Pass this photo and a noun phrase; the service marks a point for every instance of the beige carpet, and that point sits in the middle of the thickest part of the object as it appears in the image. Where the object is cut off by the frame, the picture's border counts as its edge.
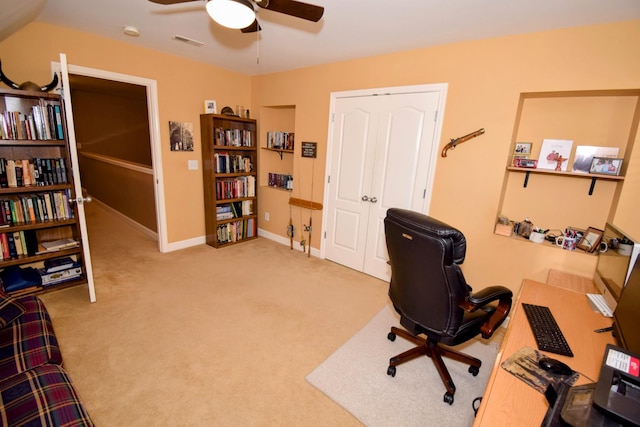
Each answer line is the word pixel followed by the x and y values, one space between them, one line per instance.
pixel 355 376
pixel 204 336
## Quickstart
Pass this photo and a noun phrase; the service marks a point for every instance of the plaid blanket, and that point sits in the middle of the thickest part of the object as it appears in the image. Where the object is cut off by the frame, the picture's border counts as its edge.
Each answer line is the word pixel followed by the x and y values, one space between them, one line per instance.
pixel 42 396
pixel 28 341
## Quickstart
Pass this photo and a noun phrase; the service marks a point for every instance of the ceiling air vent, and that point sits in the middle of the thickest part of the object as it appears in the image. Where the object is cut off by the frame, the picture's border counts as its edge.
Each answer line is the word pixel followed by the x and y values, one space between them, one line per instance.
pixel 188 40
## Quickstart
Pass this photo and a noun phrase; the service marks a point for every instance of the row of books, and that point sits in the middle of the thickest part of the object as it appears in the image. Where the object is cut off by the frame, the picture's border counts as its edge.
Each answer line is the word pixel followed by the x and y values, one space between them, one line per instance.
pixel 35 171
pixel 234 210
pixel 242 186
pixel 236 230
pixel 280 180
pixel 232 137
pixel 232 163
pixel 43 122
pixel 35 208
pixel 25 243
pixel 280 140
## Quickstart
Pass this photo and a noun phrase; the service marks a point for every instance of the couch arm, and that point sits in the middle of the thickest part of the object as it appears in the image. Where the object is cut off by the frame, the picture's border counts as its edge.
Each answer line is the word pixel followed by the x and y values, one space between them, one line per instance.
pixel 485 296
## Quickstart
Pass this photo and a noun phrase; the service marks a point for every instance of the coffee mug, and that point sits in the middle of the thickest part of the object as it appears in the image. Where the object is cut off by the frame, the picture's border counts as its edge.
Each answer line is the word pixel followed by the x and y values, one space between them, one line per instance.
pixel 603 247
pixel 568 243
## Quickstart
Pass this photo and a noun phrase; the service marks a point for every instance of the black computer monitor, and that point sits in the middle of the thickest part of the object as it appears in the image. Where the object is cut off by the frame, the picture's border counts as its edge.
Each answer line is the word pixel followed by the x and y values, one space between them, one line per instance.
pixel 626 317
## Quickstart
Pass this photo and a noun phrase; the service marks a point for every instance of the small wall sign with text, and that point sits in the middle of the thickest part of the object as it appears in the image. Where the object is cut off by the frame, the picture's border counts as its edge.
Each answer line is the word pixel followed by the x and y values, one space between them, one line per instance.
pixel 309 149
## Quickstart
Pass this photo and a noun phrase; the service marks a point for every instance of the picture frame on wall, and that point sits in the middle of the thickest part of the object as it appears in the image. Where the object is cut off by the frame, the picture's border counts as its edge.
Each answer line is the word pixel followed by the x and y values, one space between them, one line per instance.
pixel 210 107
pixel 606 166
pixel 590 240
pixel 181 136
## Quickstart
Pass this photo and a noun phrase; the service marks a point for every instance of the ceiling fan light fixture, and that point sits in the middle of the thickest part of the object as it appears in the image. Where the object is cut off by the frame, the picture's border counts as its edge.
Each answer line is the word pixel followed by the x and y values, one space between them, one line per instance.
pixel 236 14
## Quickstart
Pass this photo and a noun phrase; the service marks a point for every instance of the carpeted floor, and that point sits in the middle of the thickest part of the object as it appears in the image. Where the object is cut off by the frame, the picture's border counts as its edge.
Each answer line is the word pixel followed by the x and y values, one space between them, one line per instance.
pixel 355 377
pixel 204 336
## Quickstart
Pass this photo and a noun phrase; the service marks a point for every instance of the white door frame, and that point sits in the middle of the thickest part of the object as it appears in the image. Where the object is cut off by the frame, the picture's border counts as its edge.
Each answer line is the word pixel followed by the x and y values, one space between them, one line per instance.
pixel 439 87
pixel 154 133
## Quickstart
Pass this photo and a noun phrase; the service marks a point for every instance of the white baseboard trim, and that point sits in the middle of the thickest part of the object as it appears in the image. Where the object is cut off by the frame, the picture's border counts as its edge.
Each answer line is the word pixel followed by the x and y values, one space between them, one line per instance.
pixel 285 241
pixel 196 241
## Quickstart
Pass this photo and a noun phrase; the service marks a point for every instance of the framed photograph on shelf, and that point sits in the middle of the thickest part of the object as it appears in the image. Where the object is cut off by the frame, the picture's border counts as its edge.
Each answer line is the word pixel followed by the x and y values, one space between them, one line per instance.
pixel 521 151
pixel 585 153
pixel 590 239
pixel 605 166
pixel 210 107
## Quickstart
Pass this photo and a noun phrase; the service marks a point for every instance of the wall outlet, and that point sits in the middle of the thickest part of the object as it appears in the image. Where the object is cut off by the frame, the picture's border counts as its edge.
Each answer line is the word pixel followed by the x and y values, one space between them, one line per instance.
pixel 193 165
pixel 266 216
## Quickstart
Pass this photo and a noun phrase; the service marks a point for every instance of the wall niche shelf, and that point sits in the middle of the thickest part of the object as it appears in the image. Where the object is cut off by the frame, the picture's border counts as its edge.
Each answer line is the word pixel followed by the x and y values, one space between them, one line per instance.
pixel 593 177
pixel 557 199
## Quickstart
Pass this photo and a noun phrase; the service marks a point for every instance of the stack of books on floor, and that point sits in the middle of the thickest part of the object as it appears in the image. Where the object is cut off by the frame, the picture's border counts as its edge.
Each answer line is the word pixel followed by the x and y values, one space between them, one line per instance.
pixel 59 270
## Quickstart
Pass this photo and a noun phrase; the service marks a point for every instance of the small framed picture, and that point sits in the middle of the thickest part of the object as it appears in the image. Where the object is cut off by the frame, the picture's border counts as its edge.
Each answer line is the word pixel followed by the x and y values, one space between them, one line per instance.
pixel 523 149
pixel 590 239
pixel 606 166
pixel 210 107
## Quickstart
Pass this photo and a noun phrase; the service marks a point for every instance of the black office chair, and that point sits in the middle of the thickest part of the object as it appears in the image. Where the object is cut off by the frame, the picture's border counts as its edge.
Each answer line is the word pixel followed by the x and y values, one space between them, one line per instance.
pixel 431 295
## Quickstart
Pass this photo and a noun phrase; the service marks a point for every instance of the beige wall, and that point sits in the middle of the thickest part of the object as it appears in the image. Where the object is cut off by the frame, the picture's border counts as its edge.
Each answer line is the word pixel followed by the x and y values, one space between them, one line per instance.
pixel 183 85
pixel 485 80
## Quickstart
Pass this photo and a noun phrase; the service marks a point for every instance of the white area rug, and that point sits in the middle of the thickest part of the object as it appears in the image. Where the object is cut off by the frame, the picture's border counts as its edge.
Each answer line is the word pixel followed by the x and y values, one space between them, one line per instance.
pixel 355 377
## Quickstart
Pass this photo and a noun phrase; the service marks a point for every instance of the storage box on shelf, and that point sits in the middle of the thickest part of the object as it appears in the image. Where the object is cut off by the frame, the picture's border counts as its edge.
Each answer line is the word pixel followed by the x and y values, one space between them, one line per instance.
pixel 36 189
pixel 229 176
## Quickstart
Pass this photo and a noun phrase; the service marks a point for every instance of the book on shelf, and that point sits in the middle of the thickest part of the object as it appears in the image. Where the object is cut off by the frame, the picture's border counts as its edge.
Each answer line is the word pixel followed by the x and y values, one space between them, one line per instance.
pixel 224 215
pixel 43 121
pixel 57 264
pixel 60 276
pixel 247 207
pixel 57 245
pixel 280 140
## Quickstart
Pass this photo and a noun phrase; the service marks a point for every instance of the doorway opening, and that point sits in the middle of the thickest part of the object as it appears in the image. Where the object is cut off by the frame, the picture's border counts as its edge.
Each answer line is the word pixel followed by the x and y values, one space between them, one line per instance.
pixel 141 168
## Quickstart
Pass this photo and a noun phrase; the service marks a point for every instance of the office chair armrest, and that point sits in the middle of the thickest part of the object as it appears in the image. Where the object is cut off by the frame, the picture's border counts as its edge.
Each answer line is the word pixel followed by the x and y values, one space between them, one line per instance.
pixel 484 297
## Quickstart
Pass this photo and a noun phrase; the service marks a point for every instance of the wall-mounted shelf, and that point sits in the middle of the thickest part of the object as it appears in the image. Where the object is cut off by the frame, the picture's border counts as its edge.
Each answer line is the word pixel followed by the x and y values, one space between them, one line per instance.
pixel 593 177
pixel 278 150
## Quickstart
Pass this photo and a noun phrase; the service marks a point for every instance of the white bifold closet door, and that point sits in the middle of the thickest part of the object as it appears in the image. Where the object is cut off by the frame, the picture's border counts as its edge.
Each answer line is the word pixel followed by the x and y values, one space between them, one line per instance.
pixel 382 154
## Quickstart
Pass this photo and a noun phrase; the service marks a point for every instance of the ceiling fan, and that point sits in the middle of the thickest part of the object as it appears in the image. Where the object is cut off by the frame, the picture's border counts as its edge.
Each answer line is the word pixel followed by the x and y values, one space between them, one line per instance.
pixel 240 14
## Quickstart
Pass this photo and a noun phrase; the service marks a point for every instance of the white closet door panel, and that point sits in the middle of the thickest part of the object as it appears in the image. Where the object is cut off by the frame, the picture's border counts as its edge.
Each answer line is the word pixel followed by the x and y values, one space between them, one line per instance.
pixel 351 163
pixel 405 139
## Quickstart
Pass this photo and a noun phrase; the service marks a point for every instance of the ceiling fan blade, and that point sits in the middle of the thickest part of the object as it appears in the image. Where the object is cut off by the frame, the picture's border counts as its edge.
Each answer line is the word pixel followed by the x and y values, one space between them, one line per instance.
pixel 298 9
pixel 166 2
pixel 252 28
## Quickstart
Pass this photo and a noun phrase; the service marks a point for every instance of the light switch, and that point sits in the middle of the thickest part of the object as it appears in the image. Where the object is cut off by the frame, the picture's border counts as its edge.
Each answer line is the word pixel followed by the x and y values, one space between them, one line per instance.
pixel 193 165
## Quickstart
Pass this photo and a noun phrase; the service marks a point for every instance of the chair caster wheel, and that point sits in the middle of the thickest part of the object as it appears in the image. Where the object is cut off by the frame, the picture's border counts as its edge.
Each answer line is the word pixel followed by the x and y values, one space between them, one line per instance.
pixel 473 370
pixel 448 398
pixel 391 336
pixel 391 370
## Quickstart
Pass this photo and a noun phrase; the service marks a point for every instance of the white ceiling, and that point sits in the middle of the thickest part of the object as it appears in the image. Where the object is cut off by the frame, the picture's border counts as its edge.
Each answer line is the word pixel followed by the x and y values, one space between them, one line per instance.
pixel 349 28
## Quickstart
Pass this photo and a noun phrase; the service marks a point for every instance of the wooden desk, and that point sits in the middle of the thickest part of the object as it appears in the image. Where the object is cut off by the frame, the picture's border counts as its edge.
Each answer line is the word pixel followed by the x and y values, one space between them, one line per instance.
pixel 509 401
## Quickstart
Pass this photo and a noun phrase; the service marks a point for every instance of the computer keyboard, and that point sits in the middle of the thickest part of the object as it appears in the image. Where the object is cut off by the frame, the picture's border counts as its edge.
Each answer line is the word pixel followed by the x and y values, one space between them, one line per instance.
pixel 548 335
pixel 600 303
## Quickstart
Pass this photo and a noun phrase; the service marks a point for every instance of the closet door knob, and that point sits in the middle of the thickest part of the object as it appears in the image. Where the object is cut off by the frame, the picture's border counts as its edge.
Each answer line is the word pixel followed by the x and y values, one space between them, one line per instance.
pixel 373 200
pixel 365 198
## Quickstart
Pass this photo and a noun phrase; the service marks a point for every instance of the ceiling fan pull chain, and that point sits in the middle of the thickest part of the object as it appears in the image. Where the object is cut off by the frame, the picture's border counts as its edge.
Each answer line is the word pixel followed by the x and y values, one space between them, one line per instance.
pixel 257 44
